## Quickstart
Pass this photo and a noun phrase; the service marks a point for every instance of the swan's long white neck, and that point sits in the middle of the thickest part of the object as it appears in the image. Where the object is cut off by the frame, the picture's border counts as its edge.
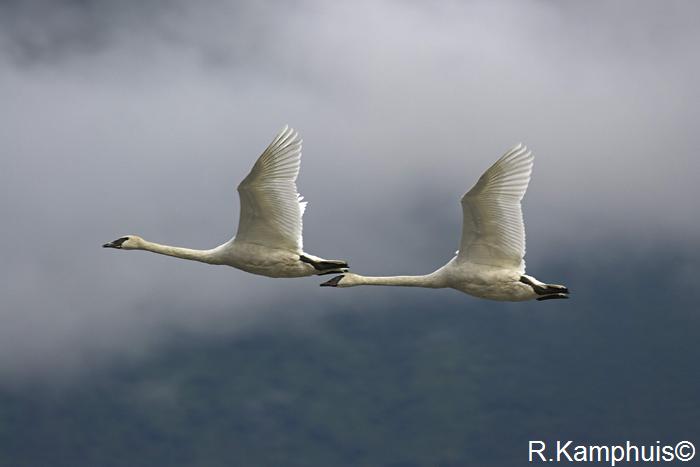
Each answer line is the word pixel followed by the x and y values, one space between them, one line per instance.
pixel 429 280
pixel 204 256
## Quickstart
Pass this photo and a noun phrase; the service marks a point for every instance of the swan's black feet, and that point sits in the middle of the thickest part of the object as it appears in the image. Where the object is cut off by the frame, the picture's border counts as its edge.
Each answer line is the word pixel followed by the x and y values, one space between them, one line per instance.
pixel 332 282
pixel 332 271
pixel 547 291
pixel 326 266
pixel 553 296
pixel 553 288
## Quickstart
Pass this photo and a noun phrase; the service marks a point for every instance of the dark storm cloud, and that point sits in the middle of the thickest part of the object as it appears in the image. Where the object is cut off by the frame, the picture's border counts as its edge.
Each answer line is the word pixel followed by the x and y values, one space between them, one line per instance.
pixel 141 117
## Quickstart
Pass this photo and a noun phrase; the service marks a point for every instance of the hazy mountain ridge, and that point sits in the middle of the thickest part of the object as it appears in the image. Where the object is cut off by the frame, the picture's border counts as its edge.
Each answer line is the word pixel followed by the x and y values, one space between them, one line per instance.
pixel 434 379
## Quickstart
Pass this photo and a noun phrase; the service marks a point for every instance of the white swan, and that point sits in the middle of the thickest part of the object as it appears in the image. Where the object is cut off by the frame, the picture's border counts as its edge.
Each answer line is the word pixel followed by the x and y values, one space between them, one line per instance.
pixel 489 263
pixel 269 237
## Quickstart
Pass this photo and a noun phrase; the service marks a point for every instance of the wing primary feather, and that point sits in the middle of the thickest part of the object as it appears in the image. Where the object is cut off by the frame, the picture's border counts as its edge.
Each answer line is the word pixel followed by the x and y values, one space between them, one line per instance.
pixel 493 232
pixel 271 207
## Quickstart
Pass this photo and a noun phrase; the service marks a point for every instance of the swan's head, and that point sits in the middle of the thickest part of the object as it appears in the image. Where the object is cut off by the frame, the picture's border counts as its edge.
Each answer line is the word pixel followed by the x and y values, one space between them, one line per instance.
pixel 128 242
pixel 344 280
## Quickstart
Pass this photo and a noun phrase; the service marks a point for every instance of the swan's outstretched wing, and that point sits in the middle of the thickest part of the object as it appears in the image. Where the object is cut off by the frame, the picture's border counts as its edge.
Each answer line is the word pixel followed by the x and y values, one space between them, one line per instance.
pixel 493 232
pixel 271 207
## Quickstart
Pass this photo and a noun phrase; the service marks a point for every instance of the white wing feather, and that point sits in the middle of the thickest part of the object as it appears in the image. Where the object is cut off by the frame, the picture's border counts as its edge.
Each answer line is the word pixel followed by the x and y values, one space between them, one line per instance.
pixel 271 207
pixel 493 232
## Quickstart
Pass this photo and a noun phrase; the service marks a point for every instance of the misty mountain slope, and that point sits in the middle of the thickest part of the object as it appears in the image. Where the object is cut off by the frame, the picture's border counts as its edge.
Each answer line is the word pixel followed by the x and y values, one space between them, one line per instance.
pixel 430 380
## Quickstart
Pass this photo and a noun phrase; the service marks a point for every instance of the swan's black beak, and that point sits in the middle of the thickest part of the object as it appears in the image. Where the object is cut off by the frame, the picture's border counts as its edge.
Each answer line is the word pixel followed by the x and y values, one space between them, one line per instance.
pixel 116 243
pixel 333 282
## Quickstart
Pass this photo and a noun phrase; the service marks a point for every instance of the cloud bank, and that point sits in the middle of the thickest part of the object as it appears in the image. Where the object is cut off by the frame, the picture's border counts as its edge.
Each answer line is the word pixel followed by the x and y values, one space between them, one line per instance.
pixel 143 117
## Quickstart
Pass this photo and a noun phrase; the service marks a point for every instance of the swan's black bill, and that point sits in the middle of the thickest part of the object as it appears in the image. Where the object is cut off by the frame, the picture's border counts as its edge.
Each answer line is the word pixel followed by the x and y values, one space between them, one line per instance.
pixel 332 282
pixel 116 243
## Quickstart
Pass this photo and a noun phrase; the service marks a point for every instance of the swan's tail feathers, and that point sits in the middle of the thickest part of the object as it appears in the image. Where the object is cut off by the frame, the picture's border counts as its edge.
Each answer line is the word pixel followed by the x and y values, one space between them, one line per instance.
pixel 332 282
pixel 326 266
pixel 547 291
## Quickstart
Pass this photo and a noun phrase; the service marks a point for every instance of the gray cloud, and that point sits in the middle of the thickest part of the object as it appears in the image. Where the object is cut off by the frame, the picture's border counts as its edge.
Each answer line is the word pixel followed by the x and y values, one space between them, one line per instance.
pixel 142 117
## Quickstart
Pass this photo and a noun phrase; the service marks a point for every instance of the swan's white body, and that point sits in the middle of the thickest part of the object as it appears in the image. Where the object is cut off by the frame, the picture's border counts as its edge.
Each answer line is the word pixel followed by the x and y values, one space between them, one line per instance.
pixel 490 262
pixel 269 238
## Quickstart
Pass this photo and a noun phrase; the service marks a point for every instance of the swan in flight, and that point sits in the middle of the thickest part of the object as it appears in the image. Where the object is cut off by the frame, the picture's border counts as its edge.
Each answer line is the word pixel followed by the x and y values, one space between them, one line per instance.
pixel 489 263
pixel 269 240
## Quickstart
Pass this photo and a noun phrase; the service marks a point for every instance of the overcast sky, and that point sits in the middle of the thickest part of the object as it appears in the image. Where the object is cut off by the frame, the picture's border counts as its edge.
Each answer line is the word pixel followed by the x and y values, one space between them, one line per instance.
pixel 142 117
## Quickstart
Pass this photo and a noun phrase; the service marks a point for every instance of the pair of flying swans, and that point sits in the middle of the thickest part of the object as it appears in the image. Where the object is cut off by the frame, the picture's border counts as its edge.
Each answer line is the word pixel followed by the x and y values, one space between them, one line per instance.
pixel 489 263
